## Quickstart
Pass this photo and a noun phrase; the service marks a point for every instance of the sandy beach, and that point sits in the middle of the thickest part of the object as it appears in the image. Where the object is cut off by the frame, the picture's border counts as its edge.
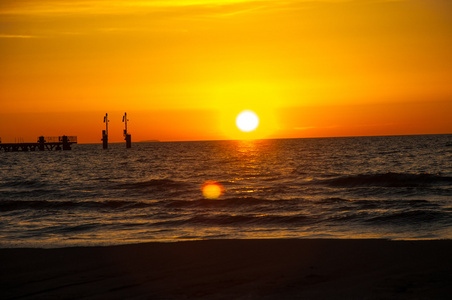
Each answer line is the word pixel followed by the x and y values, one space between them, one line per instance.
pixel 232 269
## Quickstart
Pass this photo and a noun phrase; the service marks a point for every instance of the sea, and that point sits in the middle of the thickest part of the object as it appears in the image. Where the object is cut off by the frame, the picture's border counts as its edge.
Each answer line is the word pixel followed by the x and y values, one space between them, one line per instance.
pixel 388 187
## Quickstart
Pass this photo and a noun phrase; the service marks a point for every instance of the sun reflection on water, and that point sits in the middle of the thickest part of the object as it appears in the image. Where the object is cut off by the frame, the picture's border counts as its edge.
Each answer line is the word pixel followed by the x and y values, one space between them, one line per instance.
pixel 212 189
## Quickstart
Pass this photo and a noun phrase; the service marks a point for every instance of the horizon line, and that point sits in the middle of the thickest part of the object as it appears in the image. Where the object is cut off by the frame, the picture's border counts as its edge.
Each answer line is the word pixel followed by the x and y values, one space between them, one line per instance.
pixel 263 139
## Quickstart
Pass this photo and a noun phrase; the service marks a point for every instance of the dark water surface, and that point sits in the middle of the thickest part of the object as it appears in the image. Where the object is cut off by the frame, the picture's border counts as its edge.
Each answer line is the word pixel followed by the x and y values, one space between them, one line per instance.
pixel 397 187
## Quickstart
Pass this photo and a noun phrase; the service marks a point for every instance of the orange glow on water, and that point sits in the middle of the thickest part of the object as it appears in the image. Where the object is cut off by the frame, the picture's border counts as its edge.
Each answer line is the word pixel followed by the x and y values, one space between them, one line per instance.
pixel 212 190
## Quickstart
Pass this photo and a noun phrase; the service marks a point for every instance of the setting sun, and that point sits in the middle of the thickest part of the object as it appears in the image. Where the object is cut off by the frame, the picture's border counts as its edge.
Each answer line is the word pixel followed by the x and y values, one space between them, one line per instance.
pixel 247 121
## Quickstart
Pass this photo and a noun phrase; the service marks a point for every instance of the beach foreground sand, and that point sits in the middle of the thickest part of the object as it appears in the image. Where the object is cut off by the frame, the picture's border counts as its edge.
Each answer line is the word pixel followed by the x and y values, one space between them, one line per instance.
pixel 232 269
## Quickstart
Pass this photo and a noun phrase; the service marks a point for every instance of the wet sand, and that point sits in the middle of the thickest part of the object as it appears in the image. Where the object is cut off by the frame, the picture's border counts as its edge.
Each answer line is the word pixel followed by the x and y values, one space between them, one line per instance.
pixel 232 269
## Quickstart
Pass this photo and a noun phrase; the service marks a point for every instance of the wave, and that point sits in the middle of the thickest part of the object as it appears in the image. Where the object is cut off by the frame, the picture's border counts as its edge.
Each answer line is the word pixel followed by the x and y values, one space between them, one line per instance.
pixel 46 193
pixel 22 184
pixel 232 204
pixel 378 204
pixel 395 204
pixel 229 202
pixel 11 205
pixel 388 180
pixel 240 220
pixel 413 217
pixel 152 184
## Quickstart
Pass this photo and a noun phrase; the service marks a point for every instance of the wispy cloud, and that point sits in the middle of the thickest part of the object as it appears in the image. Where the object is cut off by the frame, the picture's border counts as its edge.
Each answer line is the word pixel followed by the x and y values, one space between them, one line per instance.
pixel 17 36
pixel 107 7
pixel 78 17
pixel 123 7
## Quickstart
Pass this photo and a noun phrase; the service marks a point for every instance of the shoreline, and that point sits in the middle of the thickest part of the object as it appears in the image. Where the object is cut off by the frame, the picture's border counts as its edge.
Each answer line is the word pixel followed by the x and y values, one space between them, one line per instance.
pixel 232 269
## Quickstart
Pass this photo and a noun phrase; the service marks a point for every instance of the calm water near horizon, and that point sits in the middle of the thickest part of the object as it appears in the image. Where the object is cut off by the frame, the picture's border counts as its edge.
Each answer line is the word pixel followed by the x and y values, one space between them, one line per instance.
pixel 395 187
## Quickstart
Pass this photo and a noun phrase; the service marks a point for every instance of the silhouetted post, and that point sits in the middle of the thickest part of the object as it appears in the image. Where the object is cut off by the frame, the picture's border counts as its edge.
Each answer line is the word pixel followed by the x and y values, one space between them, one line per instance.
pixel 105 133
pixel 128 141
pixel 66 145
pixel 41 142
pixel 127 136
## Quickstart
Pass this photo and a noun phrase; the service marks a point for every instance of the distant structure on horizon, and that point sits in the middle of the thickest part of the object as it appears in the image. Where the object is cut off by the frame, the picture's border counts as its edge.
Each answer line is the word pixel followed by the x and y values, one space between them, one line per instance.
pixel 105 133
pixel 44 143
pixel 127 137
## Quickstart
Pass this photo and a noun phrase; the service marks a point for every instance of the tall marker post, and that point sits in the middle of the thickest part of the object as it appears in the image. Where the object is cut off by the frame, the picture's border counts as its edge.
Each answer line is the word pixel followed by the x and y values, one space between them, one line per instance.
pixel 105 133
pixel 127 136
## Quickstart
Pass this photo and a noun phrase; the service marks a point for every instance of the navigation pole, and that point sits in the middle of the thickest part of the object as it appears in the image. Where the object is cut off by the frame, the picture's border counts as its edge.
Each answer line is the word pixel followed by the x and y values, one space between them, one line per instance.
pixel 127 137
pixel 105 132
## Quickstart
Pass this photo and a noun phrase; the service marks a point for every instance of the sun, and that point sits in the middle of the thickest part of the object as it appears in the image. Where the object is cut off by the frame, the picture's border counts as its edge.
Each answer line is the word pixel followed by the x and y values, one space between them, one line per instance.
pixel 247 121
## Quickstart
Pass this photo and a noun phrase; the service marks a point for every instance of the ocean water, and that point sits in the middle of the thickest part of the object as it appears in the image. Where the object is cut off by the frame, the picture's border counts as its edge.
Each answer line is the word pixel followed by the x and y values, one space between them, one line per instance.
pixel 396 187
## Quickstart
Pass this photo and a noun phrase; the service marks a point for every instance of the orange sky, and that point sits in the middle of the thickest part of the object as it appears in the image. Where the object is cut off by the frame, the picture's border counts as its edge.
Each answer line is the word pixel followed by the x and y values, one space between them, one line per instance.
pixel 184 69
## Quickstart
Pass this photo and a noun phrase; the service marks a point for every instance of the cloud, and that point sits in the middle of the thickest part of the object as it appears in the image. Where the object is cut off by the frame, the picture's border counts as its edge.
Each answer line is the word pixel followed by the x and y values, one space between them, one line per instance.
pixel 107 7
pixel 56 7
pixel 78 17
pixel 17 36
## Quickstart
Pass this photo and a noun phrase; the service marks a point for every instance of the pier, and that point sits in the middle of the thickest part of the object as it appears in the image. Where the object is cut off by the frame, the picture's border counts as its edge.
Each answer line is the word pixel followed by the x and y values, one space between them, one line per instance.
pixel 44 143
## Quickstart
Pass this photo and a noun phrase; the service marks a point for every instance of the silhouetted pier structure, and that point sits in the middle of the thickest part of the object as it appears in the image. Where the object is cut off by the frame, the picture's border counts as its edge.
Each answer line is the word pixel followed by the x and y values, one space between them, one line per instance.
pixel 44 143
pixel 105 133
pixel 127 137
